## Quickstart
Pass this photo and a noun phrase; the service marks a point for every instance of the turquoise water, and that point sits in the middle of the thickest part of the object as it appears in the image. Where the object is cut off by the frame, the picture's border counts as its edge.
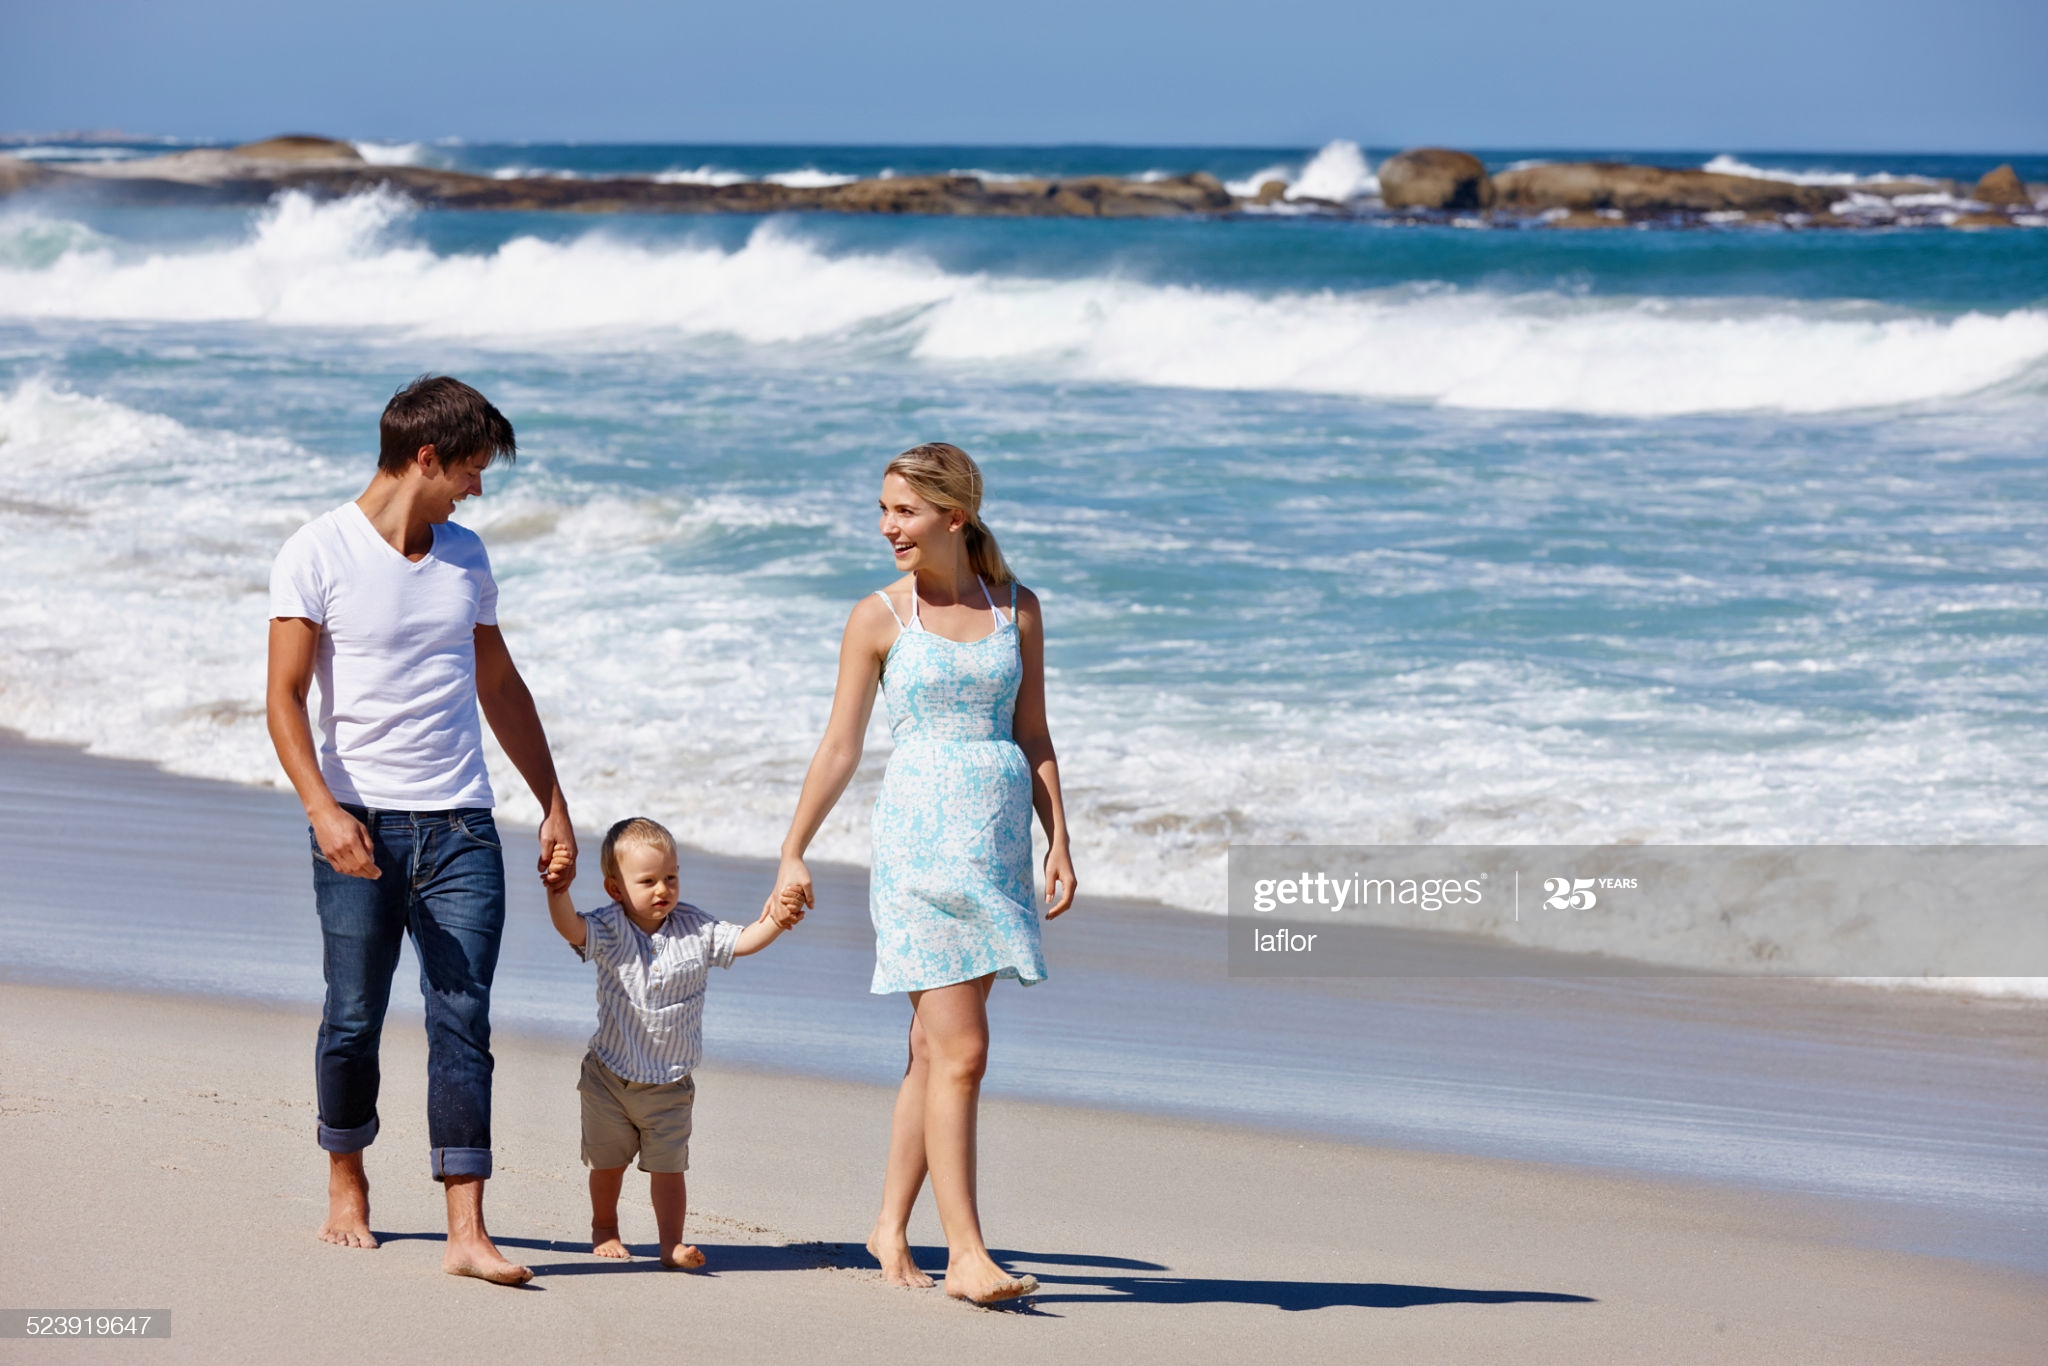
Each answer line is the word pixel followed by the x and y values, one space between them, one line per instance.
pixel 1347 532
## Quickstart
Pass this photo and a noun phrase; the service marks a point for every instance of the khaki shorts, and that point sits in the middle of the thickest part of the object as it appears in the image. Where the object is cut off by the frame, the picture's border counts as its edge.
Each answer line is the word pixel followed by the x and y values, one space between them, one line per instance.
pixel 621 1118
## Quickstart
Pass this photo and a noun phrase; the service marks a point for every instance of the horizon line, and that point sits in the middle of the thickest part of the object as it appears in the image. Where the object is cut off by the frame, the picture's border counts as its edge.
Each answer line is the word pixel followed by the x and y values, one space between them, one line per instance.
pixel 10 137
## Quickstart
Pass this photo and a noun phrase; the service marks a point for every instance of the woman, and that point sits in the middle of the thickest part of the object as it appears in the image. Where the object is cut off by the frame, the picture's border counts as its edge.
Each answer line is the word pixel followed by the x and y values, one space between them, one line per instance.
pixel 950 893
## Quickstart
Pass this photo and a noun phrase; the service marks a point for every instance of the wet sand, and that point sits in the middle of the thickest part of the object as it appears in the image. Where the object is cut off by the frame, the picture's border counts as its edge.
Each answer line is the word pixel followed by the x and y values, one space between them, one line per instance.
pixel 160 1156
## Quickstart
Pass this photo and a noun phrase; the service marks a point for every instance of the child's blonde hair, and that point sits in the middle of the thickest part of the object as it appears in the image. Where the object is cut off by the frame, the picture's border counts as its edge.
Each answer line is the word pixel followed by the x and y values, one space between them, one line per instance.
pixel 947 477
pixel 636 830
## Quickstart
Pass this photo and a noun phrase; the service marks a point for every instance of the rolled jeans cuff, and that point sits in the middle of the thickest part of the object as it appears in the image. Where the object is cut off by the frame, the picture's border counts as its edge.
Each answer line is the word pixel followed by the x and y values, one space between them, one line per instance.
pixel 461 1162
pixel 348 1140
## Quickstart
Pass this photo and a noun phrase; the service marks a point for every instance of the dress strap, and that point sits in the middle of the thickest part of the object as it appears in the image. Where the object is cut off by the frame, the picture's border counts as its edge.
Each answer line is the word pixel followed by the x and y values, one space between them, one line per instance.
pixel 883 594
pixel 916 622
pixel 990 599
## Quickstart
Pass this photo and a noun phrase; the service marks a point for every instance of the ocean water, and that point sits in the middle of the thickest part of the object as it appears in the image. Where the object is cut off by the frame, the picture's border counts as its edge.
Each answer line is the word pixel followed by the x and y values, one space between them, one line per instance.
pixel 1347 533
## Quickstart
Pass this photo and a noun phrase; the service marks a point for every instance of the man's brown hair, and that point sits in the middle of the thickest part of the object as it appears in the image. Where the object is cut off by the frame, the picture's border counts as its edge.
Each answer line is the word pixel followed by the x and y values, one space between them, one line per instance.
pixel 438 411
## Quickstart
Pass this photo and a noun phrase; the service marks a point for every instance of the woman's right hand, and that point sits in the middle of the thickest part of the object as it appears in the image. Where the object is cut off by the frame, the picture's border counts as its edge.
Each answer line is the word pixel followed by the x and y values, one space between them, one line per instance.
pixel 793 873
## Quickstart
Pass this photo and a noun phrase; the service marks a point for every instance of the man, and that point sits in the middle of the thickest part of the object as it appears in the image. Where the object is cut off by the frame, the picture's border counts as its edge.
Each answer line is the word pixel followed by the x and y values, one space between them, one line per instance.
pixel 393 611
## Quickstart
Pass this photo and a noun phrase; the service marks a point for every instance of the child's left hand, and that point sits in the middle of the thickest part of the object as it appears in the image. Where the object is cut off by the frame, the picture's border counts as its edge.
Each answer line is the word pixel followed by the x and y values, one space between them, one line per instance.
pixel 785 907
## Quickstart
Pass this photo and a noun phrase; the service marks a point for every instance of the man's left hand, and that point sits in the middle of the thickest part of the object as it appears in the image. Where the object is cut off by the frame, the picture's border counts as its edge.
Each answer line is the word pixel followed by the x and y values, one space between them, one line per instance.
pixel 557 838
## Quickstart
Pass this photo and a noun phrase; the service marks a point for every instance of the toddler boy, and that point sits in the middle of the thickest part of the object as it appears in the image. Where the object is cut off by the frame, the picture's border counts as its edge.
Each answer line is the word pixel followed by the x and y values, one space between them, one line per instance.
pixel 653 952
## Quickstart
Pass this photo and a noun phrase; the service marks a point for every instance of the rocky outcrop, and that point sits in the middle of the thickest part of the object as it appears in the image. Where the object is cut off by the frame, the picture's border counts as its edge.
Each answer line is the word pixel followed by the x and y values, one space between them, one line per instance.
pixel 1108 197
pixel 1895 189
pixel 1435 178
pixel 302 148
pixel 1652 190
pixel 2002 187
pixel 255 171
pixel 272 161
pixel 16 174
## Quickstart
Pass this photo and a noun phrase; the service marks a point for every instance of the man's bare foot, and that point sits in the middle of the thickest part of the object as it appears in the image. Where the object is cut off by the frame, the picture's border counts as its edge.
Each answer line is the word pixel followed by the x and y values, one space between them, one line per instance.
pixel 979 1280
pixel 348 1203
pixel 604 1242
pixel 893 1252
pixel 682 1256
pixel 479 1257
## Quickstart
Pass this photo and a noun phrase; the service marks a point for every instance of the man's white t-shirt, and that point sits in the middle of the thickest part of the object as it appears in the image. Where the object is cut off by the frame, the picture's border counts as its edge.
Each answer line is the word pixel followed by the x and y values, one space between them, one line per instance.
pixel 396 665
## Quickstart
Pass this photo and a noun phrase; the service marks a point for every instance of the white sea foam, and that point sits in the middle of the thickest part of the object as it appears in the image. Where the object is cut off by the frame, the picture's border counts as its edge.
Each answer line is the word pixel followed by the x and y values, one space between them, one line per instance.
pixel 803 178
pixel 698 175
pixel 1338 172
pixel 993 177
pixel 61 152
pixel 339 264
pixel 1729 165
pixel 1479 350
pixel 2023 988
pixel 393 153
pixel 126 536
pixel 534 173
pixel 1251 184
pixel 809 178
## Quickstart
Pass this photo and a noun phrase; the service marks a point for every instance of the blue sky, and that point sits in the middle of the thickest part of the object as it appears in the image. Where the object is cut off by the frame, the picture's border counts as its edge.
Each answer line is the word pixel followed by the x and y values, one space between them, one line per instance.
pixel 1909 75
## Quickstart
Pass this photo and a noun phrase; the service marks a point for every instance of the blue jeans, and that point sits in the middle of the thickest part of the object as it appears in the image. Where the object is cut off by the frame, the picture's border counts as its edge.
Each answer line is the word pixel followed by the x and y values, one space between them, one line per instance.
pixel 443 881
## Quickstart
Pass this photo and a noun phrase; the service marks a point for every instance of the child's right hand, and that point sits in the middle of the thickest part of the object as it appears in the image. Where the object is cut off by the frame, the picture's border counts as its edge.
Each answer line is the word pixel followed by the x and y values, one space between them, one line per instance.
pixel 561 871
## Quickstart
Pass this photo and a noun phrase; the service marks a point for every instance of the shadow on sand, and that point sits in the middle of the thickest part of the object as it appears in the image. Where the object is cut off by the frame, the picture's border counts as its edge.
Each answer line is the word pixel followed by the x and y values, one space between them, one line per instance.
pixel 1081 1279
pixel 1095 1286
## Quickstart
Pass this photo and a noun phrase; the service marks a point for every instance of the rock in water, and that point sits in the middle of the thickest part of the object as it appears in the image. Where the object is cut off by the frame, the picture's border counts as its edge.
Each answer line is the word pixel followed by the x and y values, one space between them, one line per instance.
pixel 299 147
pixel 2002 186
pixel 16 174
pixel 1653 190
pixel 1435 178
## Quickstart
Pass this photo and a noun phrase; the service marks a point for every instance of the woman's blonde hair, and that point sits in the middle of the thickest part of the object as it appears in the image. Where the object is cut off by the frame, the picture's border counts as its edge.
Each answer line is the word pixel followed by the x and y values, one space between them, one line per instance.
pixel 946 477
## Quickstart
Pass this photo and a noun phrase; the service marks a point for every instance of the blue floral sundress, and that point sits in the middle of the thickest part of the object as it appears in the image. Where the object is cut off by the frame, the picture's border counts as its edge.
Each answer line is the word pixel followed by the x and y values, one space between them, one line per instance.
pixel 951 891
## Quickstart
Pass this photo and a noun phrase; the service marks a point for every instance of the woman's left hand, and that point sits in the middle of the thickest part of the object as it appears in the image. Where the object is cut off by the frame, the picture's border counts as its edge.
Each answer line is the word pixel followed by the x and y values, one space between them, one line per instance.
pixel 1059 880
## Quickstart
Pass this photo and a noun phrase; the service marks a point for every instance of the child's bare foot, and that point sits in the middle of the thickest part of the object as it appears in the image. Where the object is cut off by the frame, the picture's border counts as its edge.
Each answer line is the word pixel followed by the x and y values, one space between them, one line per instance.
pixel 348 1203
pixel 892 1250
pixel 478 1256
pixel 979 1280
pixel 604 1242
pixel 682 1256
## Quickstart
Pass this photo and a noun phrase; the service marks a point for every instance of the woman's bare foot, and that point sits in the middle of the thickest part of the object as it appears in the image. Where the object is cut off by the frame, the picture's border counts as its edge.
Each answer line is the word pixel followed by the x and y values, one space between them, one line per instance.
pixel 604 1242
pixel 979 1280
pixel 682 1256
pixel 892 1250
pixel 479 1257
pixel 348 1203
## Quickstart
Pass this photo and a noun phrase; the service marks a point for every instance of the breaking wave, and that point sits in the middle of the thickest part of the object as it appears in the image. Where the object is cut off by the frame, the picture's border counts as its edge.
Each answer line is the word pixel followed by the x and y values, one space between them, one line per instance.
pixel 347 264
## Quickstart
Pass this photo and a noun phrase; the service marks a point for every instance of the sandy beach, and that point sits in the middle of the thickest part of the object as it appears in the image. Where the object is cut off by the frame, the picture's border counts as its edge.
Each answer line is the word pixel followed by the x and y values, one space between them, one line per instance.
pixel 163 1159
